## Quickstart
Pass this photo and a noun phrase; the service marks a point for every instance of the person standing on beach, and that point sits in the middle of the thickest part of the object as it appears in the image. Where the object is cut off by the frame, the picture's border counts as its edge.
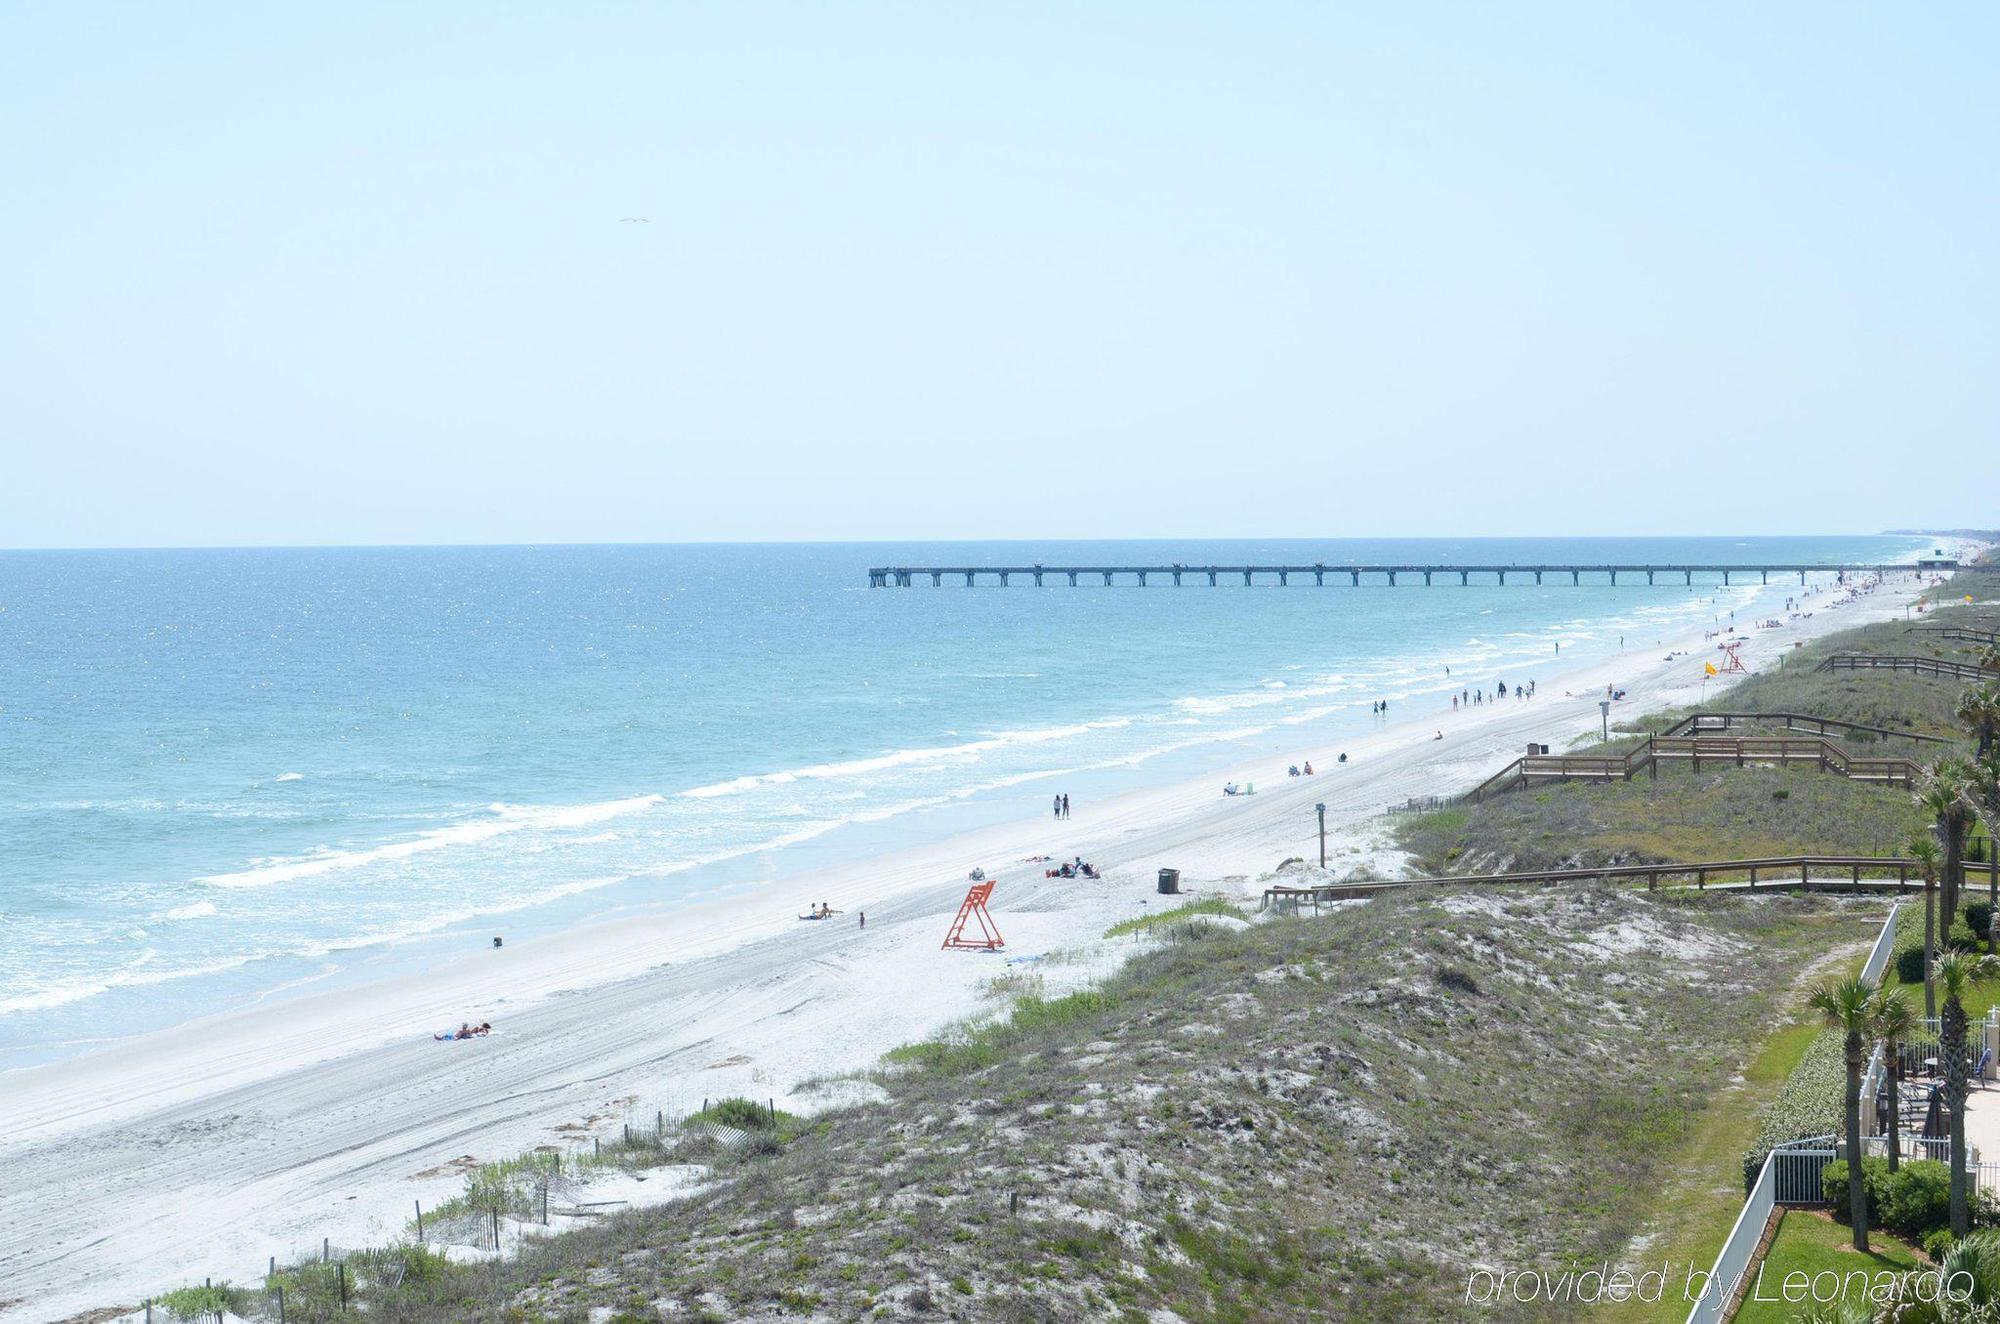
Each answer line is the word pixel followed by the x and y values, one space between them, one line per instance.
pixel 1058 806
pixel 1065 800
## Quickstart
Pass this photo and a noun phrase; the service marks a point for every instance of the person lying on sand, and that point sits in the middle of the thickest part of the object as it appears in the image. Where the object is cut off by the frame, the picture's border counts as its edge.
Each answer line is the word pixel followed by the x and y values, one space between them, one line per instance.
pixel 466 1030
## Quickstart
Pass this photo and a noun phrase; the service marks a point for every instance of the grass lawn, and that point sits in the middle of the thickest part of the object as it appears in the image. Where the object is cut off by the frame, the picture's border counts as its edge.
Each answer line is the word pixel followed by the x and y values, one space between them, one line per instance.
pixel 1698 1205
pixel 1810 1242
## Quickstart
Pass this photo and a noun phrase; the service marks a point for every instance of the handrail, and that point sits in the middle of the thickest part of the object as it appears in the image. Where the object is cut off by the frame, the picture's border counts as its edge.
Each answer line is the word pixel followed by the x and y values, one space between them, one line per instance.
pixel 1825 753
pixel 1696 721
pixel 1959 632
pixel 1886 662
pixel 1796 873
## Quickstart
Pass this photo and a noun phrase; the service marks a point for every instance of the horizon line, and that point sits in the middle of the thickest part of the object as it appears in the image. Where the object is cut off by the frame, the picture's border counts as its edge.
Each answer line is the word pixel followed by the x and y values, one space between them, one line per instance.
pixel 895 542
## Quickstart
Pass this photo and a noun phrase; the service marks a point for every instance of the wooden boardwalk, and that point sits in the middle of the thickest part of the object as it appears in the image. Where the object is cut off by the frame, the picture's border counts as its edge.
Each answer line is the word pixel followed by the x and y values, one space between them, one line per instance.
pixel 1922 666
pixel 1792 873
pixel 903 576
pixel 1691 740
pixel 1956 633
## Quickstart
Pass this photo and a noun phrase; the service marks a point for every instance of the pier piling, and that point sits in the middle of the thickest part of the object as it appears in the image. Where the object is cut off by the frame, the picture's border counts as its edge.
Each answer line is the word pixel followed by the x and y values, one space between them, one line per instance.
pixel 905 576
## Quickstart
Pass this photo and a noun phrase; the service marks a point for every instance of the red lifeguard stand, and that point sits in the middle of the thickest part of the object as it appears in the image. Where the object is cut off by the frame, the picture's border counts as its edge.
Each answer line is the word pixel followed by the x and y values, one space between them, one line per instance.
pixel 1734 664
pixel 973 908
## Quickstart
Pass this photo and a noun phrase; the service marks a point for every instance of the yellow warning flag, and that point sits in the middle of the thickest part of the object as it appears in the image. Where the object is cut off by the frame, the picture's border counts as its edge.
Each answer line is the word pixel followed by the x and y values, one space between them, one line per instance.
pixel 1709 667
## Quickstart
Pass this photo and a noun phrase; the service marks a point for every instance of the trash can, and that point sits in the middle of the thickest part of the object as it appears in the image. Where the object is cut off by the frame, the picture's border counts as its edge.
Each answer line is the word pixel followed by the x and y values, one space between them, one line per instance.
pixel 1170 881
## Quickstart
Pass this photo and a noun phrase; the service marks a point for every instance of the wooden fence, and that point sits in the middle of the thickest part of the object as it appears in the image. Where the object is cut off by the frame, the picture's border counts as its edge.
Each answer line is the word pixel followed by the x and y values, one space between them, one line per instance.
pixel 1958 633
pixel 1816 751
pixel 1778 872
pixel 1922 666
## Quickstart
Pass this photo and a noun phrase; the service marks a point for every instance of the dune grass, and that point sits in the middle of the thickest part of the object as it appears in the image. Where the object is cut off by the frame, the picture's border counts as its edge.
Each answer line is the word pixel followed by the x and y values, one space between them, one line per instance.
pixel 1141 923
pixel 1308 1120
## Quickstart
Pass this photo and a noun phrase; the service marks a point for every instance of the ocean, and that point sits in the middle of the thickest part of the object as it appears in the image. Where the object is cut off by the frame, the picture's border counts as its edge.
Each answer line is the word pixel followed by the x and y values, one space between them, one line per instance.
pixel 230 775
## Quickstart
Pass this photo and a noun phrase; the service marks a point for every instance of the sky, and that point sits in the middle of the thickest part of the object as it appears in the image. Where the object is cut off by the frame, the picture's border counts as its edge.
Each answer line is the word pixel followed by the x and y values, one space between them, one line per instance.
pixel 304 274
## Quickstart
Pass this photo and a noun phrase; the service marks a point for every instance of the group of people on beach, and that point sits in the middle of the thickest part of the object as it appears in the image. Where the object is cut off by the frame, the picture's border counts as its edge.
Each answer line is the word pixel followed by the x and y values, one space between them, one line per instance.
pixel 1062 806
pixel 1468 698
pixel 1077 868
pixel 466 1030
pixel 1293 771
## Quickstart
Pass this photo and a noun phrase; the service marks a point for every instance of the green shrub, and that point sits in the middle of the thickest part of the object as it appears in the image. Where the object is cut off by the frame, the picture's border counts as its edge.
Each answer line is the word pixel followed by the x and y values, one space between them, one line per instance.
pixel 1918 1198
pixel 1809 1102
pixel 199 1303
pixel 1963 938
pixel 1910 964
pixel 743 1114
pixel 1874 1184
pixel 1938 1244
pixel 1978 914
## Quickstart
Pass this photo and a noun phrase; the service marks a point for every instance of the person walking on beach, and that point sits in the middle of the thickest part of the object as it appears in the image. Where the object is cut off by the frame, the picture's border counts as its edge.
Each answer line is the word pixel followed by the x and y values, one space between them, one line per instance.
pixel 1065 800
pixel 1058 806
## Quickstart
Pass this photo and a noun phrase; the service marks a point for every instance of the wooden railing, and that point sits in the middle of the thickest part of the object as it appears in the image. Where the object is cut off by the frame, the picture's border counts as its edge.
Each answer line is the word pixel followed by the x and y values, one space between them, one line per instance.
pixel 1696 723
pixel 1961 633
pixel 1822 753
pixel 1923 666
pixel 1778 872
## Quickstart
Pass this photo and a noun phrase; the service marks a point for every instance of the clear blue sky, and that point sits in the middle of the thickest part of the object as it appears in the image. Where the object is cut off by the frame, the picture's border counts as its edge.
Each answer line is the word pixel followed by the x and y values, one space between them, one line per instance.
pixel 356 273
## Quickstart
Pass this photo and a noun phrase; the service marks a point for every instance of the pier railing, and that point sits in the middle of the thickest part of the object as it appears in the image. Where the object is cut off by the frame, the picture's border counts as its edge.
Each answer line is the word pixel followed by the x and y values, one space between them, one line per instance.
pixel 1922 666
pixel 903 576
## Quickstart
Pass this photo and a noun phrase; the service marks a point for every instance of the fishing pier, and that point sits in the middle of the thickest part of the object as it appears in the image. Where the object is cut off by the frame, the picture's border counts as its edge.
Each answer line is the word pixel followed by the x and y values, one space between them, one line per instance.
pixel 900 576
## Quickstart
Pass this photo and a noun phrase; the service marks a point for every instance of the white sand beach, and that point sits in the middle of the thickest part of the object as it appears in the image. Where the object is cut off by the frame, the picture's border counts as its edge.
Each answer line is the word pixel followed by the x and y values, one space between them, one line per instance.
pixel 204 1149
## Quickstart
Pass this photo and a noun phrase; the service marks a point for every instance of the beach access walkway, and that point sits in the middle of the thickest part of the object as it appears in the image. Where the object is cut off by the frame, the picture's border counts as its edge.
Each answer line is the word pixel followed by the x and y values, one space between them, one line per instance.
pixel 1922 666
pixel 1691 740
pixel 1957 633
pixel 1791 873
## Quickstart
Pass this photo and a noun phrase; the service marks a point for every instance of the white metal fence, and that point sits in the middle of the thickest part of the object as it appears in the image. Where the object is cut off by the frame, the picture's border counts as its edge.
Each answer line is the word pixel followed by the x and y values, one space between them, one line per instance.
pixel 1885 946
pixel 1734 1261
pixel 1790 1175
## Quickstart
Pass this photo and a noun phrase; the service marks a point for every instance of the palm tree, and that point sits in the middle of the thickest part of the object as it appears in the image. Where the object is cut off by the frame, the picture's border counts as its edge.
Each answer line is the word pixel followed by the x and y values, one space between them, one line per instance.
pixel 1979 712
pixel 1981 793
pixel 1844 1005
pixel 1956 975
pixel 1891 1021
pixel 1943 797
pixel 1924 851
pixel 1978 1258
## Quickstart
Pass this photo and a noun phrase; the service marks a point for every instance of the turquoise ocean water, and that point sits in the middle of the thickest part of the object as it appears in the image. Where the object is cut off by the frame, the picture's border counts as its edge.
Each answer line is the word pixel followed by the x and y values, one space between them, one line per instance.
pixel 227 776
